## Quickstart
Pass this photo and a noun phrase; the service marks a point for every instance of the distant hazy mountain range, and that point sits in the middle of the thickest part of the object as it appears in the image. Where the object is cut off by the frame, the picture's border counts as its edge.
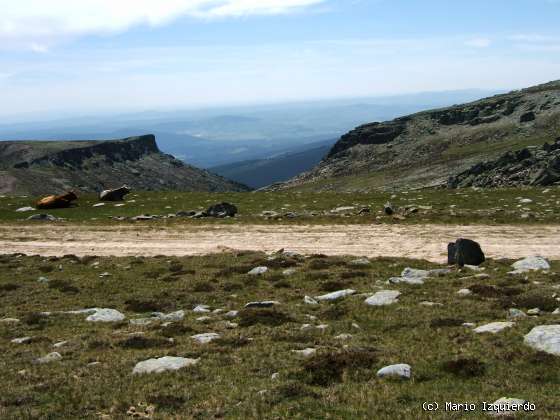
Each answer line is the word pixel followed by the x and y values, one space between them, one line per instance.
pixel 277 140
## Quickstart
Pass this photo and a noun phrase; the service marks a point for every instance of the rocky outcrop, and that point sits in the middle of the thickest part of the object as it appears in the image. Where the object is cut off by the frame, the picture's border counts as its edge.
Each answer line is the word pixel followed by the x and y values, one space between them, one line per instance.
pixel 50 167
pixel 537 166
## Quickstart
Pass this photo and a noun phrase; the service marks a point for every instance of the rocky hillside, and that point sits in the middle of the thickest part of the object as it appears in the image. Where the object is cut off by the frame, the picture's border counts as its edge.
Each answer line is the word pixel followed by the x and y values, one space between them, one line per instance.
pixel 538 166
pixel 42 167
pixel 426 148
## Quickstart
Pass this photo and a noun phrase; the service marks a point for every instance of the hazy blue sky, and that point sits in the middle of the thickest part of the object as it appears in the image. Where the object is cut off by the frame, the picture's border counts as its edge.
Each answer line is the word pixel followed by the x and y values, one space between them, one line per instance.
pixel 92 55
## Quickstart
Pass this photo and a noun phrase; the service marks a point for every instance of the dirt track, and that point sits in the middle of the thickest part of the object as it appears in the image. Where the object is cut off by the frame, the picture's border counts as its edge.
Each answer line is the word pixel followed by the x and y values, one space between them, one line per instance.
pixel 421 241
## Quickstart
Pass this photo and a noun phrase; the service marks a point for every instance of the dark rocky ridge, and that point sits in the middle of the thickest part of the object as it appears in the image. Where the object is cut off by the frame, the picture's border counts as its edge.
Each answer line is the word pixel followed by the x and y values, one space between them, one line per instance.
pixel 53 167
pixel 426 148
pixel 530 166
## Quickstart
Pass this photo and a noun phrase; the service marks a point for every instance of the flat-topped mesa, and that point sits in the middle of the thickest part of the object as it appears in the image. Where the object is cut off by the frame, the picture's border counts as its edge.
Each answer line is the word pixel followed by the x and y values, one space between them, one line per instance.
pixel 129 149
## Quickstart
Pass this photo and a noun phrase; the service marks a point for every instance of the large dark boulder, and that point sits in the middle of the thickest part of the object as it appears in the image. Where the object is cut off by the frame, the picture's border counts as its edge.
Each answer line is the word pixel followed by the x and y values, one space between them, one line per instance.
pixel 465 252
pixel 222 210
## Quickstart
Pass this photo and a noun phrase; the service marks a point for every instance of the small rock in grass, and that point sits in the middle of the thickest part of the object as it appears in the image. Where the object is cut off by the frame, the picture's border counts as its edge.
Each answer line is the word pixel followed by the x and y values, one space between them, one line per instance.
pixel 493 327
pixel 106 315
pixel 383 297
pixel 275 376
pixel 531 264
pixel 289 271
pixel 339 294
pixel 464 292
pixel 60 344
pixel 231 314
pixel 205 338
pixel 343 337
pixel 310 301
pixel 257 271
pixel 308 352
pixel 534 311
pixel 514 313
pixel 51 357
pixel 201 309
pixel 21 340
pixel 163 364
pixel 360 262
pixel 401 370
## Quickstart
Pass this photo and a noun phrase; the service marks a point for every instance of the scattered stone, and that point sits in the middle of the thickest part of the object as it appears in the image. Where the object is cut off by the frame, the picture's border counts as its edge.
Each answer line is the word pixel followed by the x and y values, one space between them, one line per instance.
pixel 201 309
pixel 60 344
pixel 544 338
pixel 345 209
pixel 289 271
pixel 525 201
pixel 343 337
pixel 469 324
pixel 43 218
pixel 172 316
pixel 222 210
pixel 514 313
pixel 427 303
pixel 308 352
pixel 310 301
pixel 360 262
pixel 42 280
pixel 263 304
pixel 205 338
pixel 105 315
pixel 203 319
pixel 383 297
pixel 257 271
pixel 339 294
pixel 163 364
pixel 465 251
pixel 388 209
pixel 103 275
pixel 531 264
pixel 275 376
pixel 24 209
pixel 98 205
pixel 464 292
pixel 51 357
pixel 493 327
pixel 21 340
pixel 534 311
pixel 231 314
pixel 401 370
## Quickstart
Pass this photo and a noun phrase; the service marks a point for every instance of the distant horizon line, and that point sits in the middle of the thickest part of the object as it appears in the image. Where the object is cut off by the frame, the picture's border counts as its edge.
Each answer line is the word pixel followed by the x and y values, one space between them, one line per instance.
pixel 54 116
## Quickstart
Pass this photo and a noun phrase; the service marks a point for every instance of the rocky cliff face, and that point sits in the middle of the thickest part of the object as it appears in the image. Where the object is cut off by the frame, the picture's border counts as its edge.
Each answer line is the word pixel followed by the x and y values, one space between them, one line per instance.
pixel 426 148
pixel 88 166
pixel 537 166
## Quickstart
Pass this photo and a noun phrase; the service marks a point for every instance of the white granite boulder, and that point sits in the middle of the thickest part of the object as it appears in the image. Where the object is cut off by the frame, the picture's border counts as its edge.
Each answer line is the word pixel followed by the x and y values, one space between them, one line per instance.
pixel 493 327
pixel 167 363
pixel 544 338
pixel 401 370
pixel 383 297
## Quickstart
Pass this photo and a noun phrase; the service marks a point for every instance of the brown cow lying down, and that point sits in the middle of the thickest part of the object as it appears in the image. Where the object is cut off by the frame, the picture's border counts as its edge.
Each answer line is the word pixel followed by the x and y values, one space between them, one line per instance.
pixel 114 195
pixel 57 201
